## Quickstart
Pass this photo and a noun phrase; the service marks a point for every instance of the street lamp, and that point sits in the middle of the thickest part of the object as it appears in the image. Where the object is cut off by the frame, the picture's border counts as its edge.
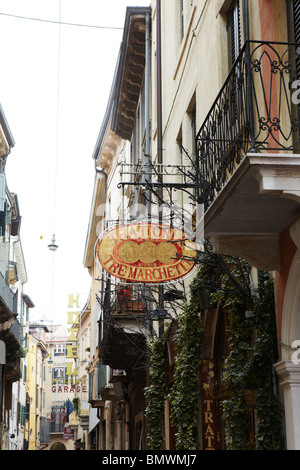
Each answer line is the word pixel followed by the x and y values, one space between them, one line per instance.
pixel 53 246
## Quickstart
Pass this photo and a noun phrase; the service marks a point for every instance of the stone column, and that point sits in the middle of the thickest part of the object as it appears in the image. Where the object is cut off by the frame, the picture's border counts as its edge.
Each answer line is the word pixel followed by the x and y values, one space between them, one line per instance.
pixel 289 382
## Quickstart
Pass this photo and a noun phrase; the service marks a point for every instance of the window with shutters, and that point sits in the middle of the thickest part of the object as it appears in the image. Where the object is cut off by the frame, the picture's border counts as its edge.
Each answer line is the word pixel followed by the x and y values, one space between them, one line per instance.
pixel 293 11
pixel 60 350
pixel 181 18
pixel 91 385
pixel 2 191
pixel 294 28
pixel 234 49
pixel 59 375
pixel 184 10
pixel 296 11
pixel 234 31
pixel 3 216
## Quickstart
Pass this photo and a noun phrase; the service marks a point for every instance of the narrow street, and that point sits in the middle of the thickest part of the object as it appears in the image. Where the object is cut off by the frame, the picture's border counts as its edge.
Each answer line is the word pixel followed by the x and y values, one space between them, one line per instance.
pixel 150 228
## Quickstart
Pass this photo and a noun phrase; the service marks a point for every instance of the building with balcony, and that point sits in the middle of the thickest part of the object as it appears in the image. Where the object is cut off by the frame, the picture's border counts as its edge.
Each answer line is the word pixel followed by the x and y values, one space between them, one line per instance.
pixel 230 98
pixel 19 420
pixel 56 384
pixel 36 376
pixel 13 277
pixel 82 361
pixel 202 118
pixel 118 352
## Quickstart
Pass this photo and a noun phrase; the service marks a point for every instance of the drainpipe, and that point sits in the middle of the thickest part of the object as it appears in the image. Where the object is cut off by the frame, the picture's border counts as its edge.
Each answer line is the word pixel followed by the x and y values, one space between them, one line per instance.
pixel 245 9
pixel 159 125
pixel 102 172
pixel 246 20
pixel 147 146
pixel 147 109
pixel 159 84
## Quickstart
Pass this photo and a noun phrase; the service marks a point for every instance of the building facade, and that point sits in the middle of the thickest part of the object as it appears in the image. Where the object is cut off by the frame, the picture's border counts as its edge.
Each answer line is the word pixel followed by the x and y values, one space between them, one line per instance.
pixel 81 439
pixel 59 382
pixel 19 423
pixel 36 375
pixel 228 98
pixel 120 422
pixel 203 119
pixel 13 320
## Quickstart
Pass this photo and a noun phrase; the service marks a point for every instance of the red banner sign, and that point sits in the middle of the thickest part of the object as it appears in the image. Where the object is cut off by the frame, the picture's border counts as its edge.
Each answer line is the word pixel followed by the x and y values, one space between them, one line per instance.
pixel 146 253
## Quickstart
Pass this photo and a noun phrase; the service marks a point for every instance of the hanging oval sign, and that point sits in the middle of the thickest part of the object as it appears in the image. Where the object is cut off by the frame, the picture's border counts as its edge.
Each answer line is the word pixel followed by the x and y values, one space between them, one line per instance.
pixel 146 253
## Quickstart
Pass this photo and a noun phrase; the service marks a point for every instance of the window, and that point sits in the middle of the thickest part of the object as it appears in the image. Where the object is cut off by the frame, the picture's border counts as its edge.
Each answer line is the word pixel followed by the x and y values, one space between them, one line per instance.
pixel 294 27
pixel 194 129
pixel 57 419
pixel 296 11
pixel 182 18
pixel 2 193
pixel 293 15
pixel 3 215
pixel 91 385
pixel 184 9
pixel 192 116
pixel 25 341
pixel 24 373
pixel 59 375
pixel 59 350
pixel 179 147
pixel 234 31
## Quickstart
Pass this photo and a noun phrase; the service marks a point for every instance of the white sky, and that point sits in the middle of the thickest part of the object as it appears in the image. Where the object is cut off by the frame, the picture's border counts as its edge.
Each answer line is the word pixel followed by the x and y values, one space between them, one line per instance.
pixel 28 95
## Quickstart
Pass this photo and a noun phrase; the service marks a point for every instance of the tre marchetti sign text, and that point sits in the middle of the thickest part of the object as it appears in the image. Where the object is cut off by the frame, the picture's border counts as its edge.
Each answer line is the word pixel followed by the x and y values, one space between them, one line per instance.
pixel 146 253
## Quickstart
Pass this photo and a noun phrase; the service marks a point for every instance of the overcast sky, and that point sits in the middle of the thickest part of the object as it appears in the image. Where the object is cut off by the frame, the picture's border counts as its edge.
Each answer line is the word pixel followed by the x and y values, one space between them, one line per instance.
pixel 28 94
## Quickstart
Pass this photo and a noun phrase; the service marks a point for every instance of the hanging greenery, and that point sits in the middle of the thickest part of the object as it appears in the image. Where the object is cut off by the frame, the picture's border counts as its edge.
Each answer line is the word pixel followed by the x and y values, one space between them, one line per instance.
pixel 233 293
pixel 75 402
pixel 155 394
pixel 252 336
pixel 269 410
pixel 184 394
pixel 252 340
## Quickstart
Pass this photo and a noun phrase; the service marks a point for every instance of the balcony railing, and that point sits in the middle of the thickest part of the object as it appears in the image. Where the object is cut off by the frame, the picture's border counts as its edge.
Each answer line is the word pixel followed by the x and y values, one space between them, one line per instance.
pixel 125 300
pixel 257 110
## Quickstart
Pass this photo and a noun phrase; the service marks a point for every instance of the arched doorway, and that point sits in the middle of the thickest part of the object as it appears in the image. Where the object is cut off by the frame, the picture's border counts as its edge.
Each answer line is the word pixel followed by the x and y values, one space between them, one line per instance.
pixel 58 446
pixel 212 367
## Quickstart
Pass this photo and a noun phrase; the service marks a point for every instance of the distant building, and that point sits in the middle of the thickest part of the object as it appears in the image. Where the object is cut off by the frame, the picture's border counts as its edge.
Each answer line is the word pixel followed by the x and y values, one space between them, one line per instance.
pixel 19 423
pixel 13 305
pixel 36 374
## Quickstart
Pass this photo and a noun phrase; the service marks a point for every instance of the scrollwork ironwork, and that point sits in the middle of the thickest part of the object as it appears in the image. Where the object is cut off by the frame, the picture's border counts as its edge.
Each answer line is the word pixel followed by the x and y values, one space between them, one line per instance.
pixel 253 111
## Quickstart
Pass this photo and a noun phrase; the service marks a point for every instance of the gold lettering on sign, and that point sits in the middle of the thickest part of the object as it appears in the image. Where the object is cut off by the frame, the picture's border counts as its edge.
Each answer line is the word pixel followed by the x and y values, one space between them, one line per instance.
pixel 209 435
pixel 146 253
pixel 72 351
pixel 73 321
pixel 73 318
pixel 73 300
pixel 208 407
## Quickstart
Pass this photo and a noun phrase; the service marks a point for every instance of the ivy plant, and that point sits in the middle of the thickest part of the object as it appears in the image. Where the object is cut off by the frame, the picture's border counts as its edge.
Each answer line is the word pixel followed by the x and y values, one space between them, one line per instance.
pixel 184 394
pixel 252 336
pixel 155 394
pixel 253 351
